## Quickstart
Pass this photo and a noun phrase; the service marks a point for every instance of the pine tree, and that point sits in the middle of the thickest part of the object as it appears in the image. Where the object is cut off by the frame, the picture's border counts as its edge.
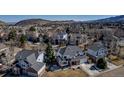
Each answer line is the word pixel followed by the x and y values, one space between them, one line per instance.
pixel 49 56
pixel 67 30
pixel 22 40
pixel 32 29
pixel 12 35
pixel 101 63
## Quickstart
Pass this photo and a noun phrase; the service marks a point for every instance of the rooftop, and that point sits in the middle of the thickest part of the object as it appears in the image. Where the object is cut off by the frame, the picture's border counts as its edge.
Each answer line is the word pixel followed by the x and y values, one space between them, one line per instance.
pixel 96 46
pixel 28 55
pixel 37 66
pixel 71 51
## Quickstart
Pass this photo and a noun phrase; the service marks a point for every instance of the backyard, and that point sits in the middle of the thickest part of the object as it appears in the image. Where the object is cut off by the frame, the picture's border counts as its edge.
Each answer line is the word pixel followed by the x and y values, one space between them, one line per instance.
pixel 118 62
pixel 67 73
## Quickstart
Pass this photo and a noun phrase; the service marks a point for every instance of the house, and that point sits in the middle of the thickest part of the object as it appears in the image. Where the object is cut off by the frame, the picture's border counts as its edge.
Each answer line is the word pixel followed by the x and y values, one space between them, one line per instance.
pixel 75 39
pixel 37 69
pixel 29 63
pixel 70 56
pixel 121 48
pixel 40 37
pixel 114 46
pixel 3 36
pixel 6 56
pixel 32 35
pixel 59 38
pixel 96 51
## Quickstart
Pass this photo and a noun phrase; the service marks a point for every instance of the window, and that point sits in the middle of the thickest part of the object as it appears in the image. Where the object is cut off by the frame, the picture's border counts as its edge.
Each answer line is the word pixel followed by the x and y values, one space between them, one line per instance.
pixel 23 65
pixel 65 57
pixel 64 62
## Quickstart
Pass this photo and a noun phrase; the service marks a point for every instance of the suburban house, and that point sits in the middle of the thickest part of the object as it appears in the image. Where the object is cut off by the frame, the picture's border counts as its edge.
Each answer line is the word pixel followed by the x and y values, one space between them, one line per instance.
pixel 70 56
pixel 40 37
pixel 29 63
pixel 3 53
pixel 59 38
pixel 121 48
pixel 110 41
pixel 32 35
pixel 96 51
pixel 6 56
pixel 75 39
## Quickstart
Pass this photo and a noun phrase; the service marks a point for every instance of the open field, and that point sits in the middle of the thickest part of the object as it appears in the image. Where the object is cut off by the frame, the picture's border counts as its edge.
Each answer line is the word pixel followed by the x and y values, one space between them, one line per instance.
pixel 67 73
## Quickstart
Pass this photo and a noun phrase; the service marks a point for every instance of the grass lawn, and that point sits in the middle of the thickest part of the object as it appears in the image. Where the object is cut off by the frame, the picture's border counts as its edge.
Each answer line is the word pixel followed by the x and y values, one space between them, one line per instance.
pixel 67 73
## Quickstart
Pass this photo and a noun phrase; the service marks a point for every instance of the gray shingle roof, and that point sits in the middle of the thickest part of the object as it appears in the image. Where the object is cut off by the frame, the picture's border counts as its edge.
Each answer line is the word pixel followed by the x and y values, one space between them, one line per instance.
pixel 75 36
pixel 31 59
pixel 37 66
pixel 24 54
pixel 62 50
pixel 59 35
pixel 70 50
pixel 62 33
pixel 29 56
pixel 96 46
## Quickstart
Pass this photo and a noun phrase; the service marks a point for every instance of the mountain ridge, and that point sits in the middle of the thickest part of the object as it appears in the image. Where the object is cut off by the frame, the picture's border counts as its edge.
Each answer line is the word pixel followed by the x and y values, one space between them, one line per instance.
pixel 114 19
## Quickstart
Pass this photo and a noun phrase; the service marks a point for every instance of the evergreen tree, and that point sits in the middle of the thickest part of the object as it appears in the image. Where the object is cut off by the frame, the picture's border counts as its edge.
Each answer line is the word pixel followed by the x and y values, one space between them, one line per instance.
pixel 67 30
pixel 32 29
pixel 101 63
pixel 49 56
pixel 12 35
pixel 22 40
pixel 46 39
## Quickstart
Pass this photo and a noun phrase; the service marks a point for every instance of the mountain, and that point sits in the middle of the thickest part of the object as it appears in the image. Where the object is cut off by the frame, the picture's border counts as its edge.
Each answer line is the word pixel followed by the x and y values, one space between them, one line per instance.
pixel 32 22
pixel 11 23
pixel 111 19
pixel 28 22
pixel 41 22
pixel 2 23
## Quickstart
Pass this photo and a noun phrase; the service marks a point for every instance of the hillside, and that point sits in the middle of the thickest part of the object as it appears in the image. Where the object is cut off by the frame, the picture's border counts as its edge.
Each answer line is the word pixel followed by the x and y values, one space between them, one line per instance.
pixel 32 22
pixel 41 22
pixel 2 23
pixel 111 19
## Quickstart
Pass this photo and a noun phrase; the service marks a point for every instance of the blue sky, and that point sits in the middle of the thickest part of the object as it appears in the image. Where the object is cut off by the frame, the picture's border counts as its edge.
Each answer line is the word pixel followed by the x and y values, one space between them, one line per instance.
pixel 16 18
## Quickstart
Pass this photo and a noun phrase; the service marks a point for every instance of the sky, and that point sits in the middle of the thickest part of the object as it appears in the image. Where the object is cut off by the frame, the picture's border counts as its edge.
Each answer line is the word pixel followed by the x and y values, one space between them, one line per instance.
pixel 16 18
